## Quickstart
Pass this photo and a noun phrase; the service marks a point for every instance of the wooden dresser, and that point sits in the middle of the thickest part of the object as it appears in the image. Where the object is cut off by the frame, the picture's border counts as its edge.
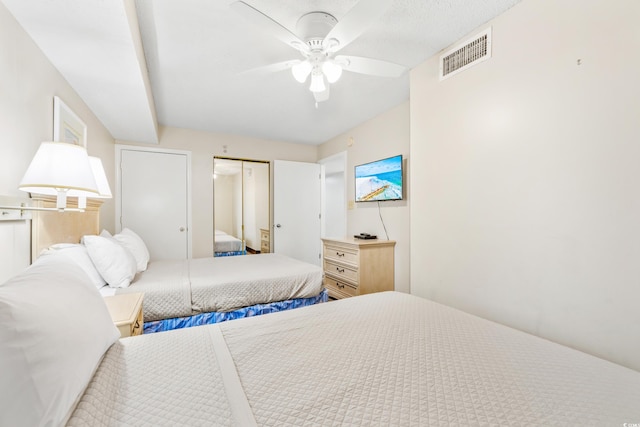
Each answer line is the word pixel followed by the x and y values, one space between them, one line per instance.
pixel 356 267
pixel 265 241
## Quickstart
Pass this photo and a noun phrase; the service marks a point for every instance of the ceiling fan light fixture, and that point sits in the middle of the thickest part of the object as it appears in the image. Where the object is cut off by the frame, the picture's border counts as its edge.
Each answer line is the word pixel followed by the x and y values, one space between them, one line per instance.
pixel 332 70
pixel 317 83
pixel 301 71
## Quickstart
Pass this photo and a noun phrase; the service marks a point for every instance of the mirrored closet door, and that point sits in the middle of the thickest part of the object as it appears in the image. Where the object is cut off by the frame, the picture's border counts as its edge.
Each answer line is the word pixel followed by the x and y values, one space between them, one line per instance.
pixel 241 206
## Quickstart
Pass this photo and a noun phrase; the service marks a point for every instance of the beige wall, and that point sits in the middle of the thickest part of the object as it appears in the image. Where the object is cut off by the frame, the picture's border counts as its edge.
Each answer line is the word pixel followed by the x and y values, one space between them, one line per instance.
pixel 28 83
pixel 525 205
pixel 383 136
pixel 204 146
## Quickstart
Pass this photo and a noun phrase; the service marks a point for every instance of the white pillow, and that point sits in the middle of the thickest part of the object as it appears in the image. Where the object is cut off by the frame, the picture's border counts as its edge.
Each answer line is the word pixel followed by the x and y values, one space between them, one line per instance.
pixel 115 263
pixel 54 329
pixel 78 254
pixel 136 246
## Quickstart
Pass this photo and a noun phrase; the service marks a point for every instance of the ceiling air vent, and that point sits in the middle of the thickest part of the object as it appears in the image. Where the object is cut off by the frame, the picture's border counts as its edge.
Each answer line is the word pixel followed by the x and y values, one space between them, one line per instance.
pixel 465 55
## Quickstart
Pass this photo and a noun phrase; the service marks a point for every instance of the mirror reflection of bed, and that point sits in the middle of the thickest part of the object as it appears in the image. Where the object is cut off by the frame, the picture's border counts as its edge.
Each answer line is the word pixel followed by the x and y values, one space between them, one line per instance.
pixel 241 206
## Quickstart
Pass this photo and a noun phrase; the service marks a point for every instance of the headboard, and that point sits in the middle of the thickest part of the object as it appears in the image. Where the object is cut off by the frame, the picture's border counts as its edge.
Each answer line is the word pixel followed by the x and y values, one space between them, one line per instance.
pixel 51 227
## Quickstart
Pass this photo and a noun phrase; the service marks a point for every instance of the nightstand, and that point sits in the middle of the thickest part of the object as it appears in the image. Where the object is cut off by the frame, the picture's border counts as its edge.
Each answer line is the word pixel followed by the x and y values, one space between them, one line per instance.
pixel 126 313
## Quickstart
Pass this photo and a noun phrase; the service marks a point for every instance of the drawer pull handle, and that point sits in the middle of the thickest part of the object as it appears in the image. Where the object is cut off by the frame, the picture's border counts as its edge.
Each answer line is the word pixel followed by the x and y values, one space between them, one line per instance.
pixel 137 325
pixel 340 254
pixel 339 285
pixel 340 270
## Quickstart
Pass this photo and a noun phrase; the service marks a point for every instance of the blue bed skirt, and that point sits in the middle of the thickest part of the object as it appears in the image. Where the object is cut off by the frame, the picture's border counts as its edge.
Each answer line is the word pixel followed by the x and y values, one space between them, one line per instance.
pixel 222 316
pixel 234 253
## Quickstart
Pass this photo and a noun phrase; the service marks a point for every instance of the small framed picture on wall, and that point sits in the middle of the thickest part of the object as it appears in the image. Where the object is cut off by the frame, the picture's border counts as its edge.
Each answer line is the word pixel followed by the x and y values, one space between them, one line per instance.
pixel 67 126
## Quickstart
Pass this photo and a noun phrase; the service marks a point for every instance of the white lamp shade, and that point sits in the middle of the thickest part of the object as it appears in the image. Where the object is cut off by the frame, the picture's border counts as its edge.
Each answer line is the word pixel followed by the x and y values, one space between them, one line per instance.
pixel 317 83
pixel 301 71
pixel 332 70
pixel 58 167
pixel 104 191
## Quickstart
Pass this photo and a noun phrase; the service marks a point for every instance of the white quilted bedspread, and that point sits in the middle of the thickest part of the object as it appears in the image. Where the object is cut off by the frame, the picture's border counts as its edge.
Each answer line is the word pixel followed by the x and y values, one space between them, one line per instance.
pixel 228 283
pixel 167 379
pixel 227 243
pixel 379 359
pixel 166 290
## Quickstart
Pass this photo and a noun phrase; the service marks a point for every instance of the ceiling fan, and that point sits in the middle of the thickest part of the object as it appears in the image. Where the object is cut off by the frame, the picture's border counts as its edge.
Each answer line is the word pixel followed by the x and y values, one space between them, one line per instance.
pixel 319 37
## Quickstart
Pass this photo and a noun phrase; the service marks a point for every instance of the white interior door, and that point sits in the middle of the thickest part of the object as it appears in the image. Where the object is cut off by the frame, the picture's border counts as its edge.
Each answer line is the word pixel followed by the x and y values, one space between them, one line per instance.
pixel 296 210
pixel 154 200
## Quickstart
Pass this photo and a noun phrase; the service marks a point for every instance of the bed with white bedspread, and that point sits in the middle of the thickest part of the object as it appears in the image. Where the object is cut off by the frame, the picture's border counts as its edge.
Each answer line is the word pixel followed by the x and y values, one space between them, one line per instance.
pixel 401 361
pixel 122 262
pixel 194 292
pixel 379 359
pixel 224 244
pixel 189 288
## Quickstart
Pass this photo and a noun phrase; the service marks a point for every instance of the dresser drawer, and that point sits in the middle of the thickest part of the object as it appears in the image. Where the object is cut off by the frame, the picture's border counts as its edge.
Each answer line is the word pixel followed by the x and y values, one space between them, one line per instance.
pixel 339 289
pixel 341 254
pixel 264 236
pixel 341 272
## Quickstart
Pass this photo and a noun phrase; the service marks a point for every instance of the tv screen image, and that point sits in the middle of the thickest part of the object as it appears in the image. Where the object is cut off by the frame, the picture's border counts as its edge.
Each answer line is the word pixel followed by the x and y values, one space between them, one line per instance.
pixel 380 180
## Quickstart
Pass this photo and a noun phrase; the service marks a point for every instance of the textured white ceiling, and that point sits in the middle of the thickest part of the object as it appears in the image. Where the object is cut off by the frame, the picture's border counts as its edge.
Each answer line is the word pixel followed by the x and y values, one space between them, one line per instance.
pixel 195 51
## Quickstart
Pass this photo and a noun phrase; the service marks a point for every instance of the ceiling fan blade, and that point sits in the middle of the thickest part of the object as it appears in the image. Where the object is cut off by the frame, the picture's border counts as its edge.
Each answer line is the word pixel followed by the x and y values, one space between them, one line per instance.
pixel 268 25
pixel 374 67
pixel 271 68
pixel 355 22
pixel 322 96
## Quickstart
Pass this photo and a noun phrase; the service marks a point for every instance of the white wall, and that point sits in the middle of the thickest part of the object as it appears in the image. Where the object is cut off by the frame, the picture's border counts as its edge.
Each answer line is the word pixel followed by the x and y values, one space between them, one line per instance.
pixel 381 137
pixel 28 83
pixel 525 205
pixel 204 146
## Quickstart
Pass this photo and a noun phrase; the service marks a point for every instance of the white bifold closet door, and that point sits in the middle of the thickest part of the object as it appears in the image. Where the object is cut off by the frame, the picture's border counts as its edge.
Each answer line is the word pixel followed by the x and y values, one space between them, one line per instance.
pixel 154 200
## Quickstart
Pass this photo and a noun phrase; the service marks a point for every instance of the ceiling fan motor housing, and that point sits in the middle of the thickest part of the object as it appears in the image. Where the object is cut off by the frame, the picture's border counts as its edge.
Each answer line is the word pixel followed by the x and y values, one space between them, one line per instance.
pixel 313 28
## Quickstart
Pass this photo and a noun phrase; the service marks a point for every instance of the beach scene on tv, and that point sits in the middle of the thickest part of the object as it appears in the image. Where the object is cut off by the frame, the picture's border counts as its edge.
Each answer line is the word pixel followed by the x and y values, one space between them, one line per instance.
pixel 380 180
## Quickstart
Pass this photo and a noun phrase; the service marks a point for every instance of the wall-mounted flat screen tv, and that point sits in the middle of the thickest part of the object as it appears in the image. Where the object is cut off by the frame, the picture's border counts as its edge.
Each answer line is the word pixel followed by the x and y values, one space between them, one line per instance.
pixel 380 180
